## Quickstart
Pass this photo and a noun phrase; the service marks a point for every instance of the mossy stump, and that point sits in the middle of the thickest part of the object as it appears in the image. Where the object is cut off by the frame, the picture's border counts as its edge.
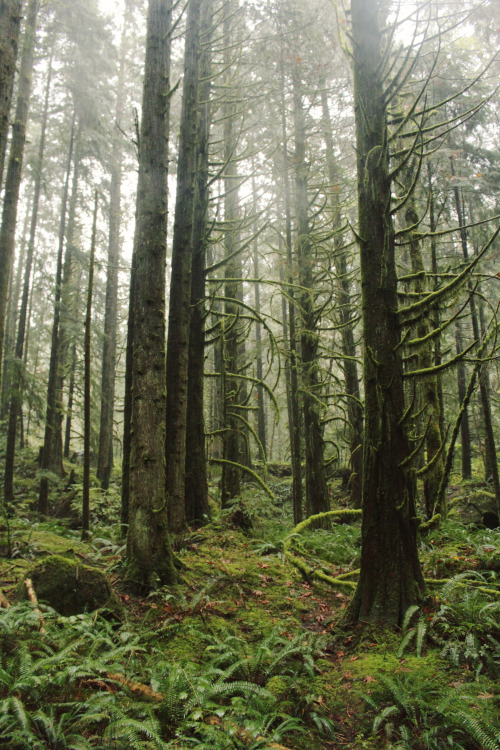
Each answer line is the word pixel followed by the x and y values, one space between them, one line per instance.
pixel 69 587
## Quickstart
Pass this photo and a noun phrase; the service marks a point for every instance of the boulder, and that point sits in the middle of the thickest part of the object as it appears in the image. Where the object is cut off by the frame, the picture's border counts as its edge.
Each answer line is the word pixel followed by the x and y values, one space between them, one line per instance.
pixel 69 586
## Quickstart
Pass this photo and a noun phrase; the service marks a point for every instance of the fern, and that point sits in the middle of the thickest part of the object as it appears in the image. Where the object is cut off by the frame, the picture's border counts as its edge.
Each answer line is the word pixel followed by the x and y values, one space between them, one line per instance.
pixel 484 734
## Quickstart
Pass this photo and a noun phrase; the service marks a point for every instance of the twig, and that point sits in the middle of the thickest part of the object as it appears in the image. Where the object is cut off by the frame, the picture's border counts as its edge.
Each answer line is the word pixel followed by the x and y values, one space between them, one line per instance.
pixel 33 599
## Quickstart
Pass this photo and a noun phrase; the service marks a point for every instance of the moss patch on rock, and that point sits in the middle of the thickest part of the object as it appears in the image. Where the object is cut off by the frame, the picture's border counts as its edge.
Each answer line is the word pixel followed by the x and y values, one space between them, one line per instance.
pixel 68 586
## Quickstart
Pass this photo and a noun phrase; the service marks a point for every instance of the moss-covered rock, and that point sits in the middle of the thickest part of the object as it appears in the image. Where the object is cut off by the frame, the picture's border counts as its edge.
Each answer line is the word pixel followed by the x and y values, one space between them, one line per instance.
pixel 69 586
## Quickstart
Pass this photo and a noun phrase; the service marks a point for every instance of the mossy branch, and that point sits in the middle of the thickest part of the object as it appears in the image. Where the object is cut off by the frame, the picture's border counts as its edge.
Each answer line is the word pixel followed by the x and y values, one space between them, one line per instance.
pixel 302 566
pixel 247 470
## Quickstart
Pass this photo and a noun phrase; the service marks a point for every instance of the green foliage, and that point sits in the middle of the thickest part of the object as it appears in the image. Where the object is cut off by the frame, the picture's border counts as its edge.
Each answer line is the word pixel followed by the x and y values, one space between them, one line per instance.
pixel 416 714
pixel 464 625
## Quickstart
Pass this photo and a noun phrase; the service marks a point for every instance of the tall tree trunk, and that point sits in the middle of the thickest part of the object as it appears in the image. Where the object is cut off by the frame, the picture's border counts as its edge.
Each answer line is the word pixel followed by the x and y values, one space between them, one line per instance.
pixel 317 498
pixel 491 465
pixel 196 483
pixel 18 374
pixel 428 386
pixel 294 424
pixel 105 447
pixel 15 166
pixel 390 578
pixel 461 388
pixel 11 316
pixel 69 405
pixel 10 25
pixel 345 306
pixel 87 424
pixel 259 370
pixel 70 297
pixel 180 281
pixel 51 416
pixel 149 554
pixel 233 436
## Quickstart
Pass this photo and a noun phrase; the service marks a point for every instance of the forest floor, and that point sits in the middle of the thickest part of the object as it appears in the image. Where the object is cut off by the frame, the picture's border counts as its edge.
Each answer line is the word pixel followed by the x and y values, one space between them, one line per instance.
pixel 245 652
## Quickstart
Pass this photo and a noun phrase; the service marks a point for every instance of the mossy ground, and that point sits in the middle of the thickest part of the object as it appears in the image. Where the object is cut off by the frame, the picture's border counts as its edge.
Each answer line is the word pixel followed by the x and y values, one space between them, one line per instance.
pixel 243 616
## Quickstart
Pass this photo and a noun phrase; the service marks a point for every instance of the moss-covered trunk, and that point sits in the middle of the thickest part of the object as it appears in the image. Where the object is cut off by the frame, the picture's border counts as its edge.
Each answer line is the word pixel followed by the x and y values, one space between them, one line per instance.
pixel 317 499
pixel 149 556
pixel 390 578
pixel 196 483
pixel 179 314
pixel 10 24
pixel 15 165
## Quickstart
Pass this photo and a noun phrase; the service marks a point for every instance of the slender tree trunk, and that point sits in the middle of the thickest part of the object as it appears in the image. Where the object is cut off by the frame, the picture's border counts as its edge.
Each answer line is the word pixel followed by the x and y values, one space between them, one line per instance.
pixel 68 317
pixel 196 484
pixel 69 405
pixel 18 375
pixel 349 366
pixel 428 386
pixel 233 448
pixel 491 465
pixel 317 498
pixel 15 166
pixel 259 370
pixel 10 25
pixel 180 283
pixel 51 416
pixel 149 554
pixel 87 424
pixel 294 424
pixel 105 448
pixel 11 318
pixel 461 387
pixel 390 578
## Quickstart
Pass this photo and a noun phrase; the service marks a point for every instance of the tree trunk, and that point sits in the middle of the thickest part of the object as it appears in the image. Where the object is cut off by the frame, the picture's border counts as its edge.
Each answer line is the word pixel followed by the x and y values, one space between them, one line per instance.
pixel 69 405
pixel 259 370
pixel 491 465
pixel 461 388
pixel 390 578
pixel 149 556
pixel 180 282
pixel 317 498
pixel 196 484
pixel 10 24
pixel 18 374
pixel 15 166
pixel 87 424
pixel 105 448
pixel 233 437
pixel 292 373
pixel 346 315
pixel 51 416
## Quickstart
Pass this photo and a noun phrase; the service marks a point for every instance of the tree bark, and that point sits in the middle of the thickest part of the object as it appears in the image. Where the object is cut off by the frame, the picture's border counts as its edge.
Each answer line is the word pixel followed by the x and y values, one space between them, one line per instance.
pixel 19 368
pixel 196 483
pixel 87 424
pixel 345 308
pixel 149 556
pixel 105 449
pixel 10 25
pixel 180 283
pixel 51 416
pixel 15 166
pixel 317 498
pixel 390 578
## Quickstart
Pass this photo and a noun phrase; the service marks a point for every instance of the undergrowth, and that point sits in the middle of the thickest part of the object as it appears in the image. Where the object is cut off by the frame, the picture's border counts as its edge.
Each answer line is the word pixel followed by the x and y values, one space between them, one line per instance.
pixel 245 653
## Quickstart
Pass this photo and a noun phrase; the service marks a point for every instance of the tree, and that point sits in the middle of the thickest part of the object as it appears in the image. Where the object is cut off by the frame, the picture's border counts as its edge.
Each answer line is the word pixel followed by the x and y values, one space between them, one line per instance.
pixel 14 170
pixel 86 393
pixel 10 24
pixel 180 286
pixel 391 578
pixel 149 555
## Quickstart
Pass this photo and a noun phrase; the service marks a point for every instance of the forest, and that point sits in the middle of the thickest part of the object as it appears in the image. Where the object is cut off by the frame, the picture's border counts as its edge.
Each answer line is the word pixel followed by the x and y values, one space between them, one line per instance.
pixel 249 374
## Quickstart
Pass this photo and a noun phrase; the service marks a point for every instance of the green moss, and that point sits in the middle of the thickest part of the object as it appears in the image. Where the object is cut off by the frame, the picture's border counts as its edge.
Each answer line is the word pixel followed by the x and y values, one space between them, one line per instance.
pixel 68 586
